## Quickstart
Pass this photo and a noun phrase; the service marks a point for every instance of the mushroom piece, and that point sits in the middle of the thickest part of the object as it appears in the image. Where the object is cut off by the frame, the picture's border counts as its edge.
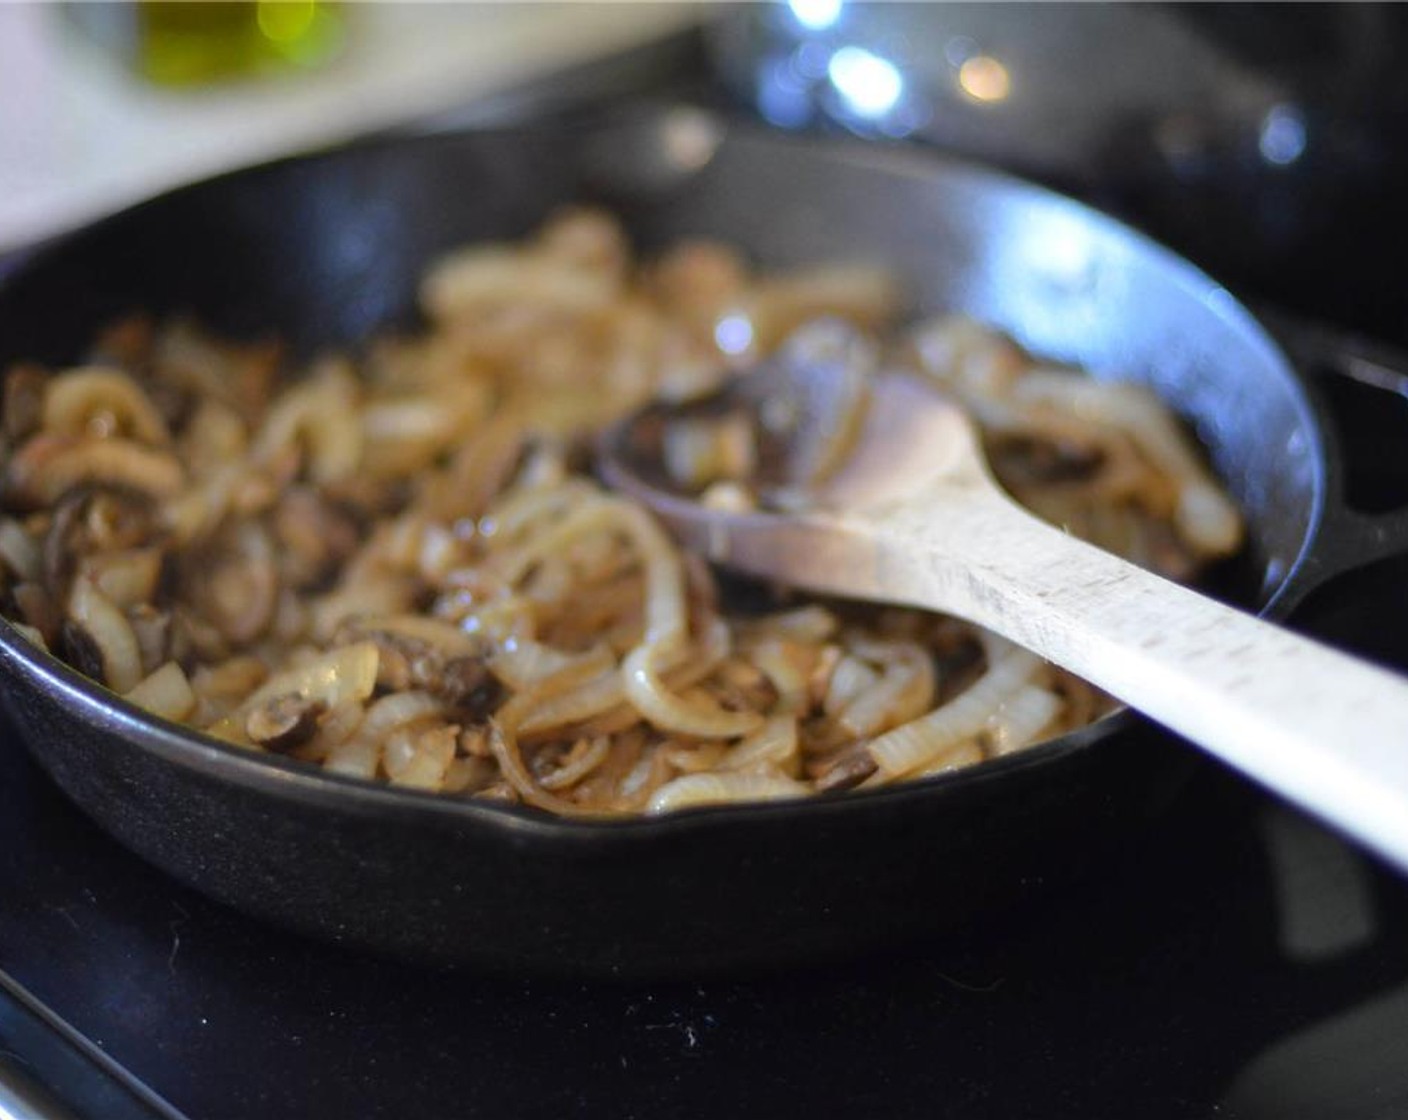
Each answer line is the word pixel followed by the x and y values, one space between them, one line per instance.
pixel 187 360
pixel 741 687
pixel 466 681
pixel 235 582
pixel 1023 459
pixel 93 518
pixel 284 722
pixel 430 655
pixel 102 402
pixel 315 537
pixel 845 771
pixel 95 626
pixel 81 651
pixel 333 678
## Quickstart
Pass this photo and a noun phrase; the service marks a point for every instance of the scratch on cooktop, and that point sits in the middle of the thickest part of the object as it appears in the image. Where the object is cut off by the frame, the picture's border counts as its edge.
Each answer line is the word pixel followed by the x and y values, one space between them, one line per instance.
pixel 691 1036
pixel 66 914
pixel 175 927
pixel 966 987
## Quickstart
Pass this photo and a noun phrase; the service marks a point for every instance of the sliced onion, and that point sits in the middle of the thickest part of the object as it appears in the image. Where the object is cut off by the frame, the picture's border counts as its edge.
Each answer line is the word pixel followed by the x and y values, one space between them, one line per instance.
pixel 166 693
pixel 722 789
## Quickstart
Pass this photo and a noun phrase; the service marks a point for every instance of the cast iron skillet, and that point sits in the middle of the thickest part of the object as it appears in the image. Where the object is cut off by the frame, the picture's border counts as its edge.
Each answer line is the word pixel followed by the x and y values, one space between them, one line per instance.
pixel 326 249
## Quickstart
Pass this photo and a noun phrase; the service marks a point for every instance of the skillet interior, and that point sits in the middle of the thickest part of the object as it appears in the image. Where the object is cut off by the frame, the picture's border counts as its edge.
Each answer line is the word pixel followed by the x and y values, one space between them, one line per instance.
pixel 326 250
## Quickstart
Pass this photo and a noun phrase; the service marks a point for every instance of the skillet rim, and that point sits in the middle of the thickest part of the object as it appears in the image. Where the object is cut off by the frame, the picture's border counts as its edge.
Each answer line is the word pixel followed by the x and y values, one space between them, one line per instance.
pixel 280 778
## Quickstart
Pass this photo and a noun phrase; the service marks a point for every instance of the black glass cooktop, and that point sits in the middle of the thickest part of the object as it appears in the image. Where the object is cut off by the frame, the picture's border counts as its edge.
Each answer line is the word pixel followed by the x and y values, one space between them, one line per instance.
pixel 1232 961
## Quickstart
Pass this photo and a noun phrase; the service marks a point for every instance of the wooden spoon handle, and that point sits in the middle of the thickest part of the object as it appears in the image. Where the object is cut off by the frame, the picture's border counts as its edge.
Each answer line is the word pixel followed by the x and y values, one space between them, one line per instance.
pixel 1323 729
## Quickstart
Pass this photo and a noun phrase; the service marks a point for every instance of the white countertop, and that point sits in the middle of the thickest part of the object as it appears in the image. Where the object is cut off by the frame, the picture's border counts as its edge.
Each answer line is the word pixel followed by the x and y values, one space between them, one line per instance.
pixel 81 135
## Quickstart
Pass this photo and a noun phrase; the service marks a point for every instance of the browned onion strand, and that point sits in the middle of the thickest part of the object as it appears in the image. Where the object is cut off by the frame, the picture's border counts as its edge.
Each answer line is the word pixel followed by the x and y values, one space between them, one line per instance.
pixel 398 567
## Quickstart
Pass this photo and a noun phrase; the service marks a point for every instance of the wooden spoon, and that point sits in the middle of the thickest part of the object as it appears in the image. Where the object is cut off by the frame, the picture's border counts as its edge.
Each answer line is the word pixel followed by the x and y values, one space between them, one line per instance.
pixel 912 516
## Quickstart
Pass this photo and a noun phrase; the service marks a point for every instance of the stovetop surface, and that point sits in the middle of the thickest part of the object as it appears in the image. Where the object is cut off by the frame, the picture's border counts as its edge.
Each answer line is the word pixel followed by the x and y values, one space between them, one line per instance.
pixel 1232 960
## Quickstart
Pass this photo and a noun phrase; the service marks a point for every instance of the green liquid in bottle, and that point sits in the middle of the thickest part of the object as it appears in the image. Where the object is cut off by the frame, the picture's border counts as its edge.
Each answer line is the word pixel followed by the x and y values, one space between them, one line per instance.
pixel 188 42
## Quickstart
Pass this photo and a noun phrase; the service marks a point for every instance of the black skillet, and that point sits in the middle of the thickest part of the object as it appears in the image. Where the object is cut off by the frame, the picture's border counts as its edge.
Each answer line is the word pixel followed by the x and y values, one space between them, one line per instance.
pixel 327 249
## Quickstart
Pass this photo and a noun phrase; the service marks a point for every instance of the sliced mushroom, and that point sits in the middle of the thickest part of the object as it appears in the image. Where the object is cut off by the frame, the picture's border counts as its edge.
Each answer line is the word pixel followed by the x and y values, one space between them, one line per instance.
pixel 95 624
pixel 94 401
pixel 194 640
pixel 741 687
pixel 284 722
pixel 94 518
pixel 430 655
pixel 188 360
pixel 315 537
pixel 332 678
pixel 1023 459
pixel 467 683
pixel 235 582
pixel 80 649
pixel 844 772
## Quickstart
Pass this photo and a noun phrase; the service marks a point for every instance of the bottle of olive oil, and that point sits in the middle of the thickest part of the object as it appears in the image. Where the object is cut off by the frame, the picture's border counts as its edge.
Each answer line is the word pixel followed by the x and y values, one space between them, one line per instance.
pixel 192 42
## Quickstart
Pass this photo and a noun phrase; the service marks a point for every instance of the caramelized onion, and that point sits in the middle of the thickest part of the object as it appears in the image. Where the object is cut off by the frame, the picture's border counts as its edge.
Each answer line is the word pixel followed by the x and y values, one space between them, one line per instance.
pixel 397 566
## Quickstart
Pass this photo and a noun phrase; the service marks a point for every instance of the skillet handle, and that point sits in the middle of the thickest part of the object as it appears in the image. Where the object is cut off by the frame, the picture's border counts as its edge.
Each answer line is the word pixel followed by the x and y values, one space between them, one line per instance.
pixel 1348 538
pixel 1360 538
